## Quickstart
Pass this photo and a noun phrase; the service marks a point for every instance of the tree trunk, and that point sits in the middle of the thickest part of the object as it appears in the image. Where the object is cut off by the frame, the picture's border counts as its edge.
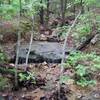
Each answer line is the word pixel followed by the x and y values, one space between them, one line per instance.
pixel 30 44
pixel 20 7
pixel 48 4
pixel 9 1
pixel 82 6
pixel 63 10
pixel 41 15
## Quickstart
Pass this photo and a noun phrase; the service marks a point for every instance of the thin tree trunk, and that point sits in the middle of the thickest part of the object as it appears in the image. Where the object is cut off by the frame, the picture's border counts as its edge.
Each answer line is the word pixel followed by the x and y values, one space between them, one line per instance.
pixel 41 15
pixel 64 46
pixel 30 44
pixel 63 55
pixel 65 4
pixel 17 57
pixel 82 6
pixel 9 2
pixel 74 7
pixel 63 10
pixel 20 7
pixel 48 4
pixel 17 50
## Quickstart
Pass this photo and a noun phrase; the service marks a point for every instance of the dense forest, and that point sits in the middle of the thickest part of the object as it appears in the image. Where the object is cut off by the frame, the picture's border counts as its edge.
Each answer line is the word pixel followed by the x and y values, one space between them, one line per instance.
pixel 49 49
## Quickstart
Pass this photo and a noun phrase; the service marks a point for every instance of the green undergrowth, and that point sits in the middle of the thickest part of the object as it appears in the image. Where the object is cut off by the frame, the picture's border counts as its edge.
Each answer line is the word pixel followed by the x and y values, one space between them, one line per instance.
pixel 27 77
pixel 3 83
pixel 3 57
pixel 84 66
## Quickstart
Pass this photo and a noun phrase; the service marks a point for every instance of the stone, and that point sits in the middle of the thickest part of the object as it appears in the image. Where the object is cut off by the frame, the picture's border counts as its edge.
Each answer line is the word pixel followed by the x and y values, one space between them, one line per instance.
pixel 50 52
pixel 95 39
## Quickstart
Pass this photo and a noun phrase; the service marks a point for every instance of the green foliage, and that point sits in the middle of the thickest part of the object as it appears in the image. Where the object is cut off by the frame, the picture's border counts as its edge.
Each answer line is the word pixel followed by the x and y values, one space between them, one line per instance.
pixel 86 2
pixel 76 58
pixel 83 82
pixel 3 57
pixel 29 7
pixel 61 31
pixel 7 11
pixel 81 70
pixel 64 79
pixel 83 28
pixel 83 77
pixel 3 83
pixel 84 66
pixel 97 3
pixel 28 76
pixel 33 6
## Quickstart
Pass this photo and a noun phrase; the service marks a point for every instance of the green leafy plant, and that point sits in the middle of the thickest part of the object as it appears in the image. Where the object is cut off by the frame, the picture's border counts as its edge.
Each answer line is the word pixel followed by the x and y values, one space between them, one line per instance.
pixel 61 31
pixel 84 29
pixel 3 57
pixel 86 2
pixel 66 80
pixel 84 66
pixel 27 7
pixel 83 77
pixel 27 76
pixel 3 83
pixel 9 10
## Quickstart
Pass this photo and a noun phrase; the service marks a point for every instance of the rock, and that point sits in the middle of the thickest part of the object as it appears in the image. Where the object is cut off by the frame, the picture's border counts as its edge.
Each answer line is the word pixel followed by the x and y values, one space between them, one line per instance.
pixel 94 95
pixel 95 39
pixel 24 89
pixel 50 52
pixel 45 64
pixel 43 37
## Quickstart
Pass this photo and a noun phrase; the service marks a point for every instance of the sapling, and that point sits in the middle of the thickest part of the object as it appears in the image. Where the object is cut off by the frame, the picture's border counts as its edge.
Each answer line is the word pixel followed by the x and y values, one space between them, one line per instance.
pixel 64 47
pixel 18 47
pixel 30 44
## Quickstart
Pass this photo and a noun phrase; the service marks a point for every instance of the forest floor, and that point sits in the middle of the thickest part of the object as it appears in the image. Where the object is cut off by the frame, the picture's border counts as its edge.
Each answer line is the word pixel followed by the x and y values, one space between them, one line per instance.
pixel 47 85
pixel 47 79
